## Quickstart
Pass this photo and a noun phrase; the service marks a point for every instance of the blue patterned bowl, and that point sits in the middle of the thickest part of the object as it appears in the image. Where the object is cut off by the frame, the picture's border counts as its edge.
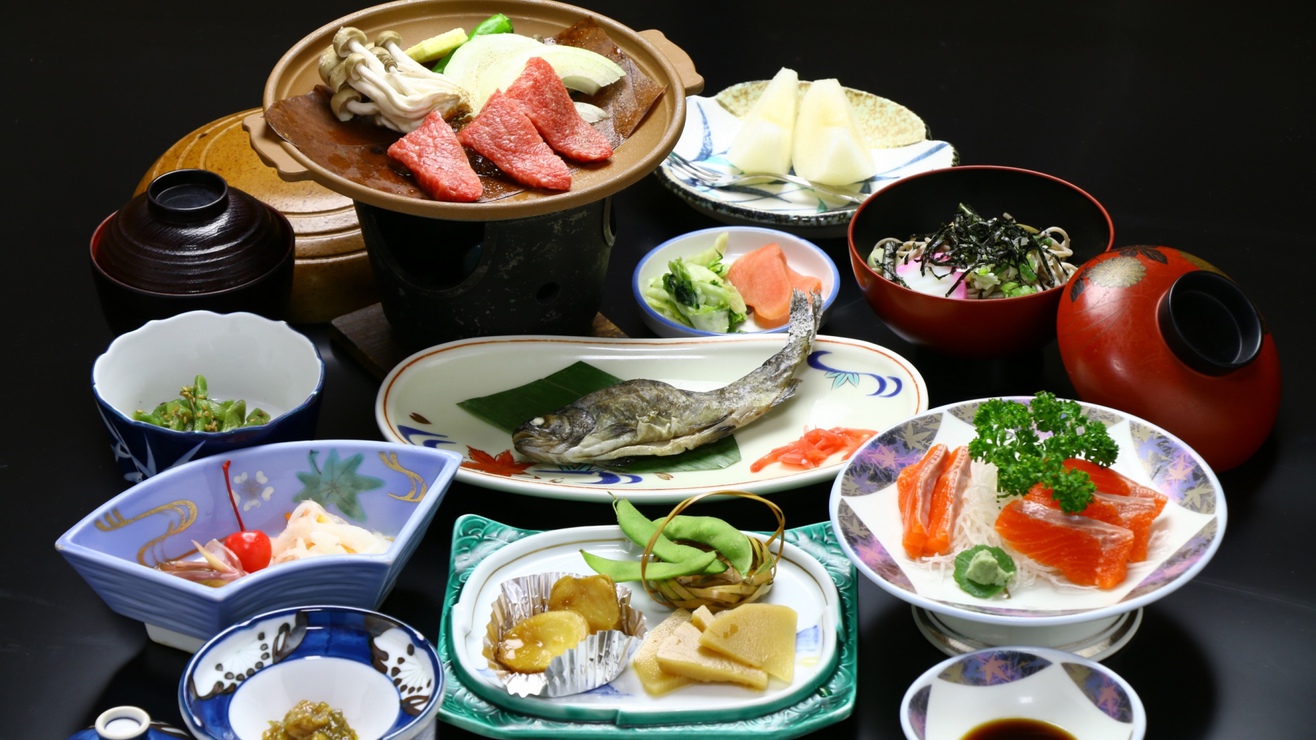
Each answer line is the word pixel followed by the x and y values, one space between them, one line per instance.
pixel 802 255
pixel 1078 695
pixel 387 488
pixel 384 676
pixel 265 363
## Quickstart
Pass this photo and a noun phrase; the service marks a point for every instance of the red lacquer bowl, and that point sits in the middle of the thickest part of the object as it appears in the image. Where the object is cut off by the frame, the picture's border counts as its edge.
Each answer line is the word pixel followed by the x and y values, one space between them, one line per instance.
pixel 919 204
pixel 1166 336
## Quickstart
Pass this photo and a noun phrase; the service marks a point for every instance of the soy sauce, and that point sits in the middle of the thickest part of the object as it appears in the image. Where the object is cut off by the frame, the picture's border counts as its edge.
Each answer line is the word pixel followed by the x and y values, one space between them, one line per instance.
pixel 1017 729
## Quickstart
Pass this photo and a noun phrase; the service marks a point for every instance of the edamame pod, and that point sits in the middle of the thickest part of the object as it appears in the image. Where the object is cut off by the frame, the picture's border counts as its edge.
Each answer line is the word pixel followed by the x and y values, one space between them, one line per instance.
pixel 717 534
pixel 622 571
pixel 639 529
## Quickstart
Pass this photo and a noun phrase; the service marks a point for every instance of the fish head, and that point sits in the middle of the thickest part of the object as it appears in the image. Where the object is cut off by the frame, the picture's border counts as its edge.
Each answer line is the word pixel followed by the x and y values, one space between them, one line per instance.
pixel 551 437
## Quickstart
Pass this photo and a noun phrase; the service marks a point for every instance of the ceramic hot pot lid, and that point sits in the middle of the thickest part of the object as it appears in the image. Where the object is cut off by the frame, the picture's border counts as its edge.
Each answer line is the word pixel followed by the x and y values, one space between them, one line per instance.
pixel 296 76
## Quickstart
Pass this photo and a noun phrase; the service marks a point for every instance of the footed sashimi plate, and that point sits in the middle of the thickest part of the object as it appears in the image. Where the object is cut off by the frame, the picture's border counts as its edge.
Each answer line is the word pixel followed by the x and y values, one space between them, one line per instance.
pixel 866 519
pixel 846 383
pixel 814 577
pixel 898 138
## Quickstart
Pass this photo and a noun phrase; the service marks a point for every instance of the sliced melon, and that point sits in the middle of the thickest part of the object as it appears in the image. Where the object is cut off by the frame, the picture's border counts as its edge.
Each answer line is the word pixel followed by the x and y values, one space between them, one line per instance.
pixel 829 148
pixel 763 143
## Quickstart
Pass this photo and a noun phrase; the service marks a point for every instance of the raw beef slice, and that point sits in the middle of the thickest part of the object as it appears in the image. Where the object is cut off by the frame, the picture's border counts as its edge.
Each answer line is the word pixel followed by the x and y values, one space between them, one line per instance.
pixel 546 101
pixel 503 133
pixel 437 159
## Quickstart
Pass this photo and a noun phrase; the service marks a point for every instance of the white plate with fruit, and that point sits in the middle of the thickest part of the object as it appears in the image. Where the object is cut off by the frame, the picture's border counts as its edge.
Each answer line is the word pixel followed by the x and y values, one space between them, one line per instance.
pixel 813 577
pixel 893 136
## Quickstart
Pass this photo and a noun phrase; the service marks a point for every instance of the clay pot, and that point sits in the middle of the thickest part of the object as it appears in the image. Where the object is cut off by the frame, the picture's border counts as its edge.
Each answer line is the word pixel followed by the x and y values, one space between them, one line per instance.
pixel 191 242
pixel 1167 337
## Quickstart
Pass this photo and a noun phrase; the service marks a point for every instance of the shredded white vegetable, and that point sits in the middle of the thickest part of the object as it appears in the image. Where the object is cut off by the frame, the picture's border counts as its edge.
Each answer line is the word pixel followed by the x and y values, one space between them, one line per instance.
pixel 312 530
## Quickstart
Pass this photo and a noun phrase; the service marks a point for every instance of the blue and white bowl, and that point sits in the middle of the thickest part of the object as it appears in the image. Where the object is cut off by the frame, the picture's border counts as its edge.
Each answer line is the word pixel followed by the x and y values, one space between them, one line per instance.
pixel 802 255
pixel 265 363
pixel 1080 696
pixel 392 489
pixel 383 675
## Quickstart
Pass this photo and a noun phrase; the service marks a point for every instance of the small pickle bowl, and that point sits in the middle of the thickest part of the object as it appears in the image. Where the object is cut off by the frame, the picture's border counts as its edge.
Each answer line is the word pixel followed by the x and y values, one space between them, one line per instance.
pixel 594 662
pixel 1025 689
pixel 266 364
pixel 382 676
pixel 132 549
pixel 802 256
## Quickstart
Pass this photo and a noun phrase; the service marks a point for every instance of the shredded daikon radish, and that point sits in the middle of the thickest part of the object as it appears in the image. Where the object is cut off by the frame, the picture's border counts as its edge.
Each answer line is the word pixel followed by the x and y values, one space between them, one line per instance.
pixel 312 530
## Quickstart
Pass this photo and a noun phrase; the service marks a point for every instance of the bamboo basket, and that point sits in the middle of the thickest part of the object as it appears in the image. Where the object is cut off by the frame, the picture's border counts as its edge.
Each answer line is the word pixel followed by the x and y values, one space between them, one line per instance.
pixel 727 589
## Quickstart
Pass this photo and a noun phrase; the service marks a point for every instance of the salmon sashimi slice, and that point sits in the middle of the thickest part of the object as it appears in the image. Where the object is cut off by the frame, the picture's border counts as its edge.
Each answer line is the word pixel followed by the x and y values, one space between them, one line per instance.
pixel 546 101
pixel 1116 483
pixel 504 134
pixel 436 158
pixel 1098 509
pixel 1135 513
pixel 1139 515
pixel 945 506
pixel 1087 551
pixel 914 485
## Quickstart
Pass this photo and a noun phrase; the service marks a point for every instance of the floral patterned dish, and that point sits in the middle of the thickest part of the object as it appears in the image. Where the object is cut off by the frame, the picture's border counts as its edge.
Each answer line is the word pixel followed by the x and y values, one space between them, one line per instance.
pixel 847 383
pixel 815 578
pixel 1080 696
pixel 712 122
pixel 866 519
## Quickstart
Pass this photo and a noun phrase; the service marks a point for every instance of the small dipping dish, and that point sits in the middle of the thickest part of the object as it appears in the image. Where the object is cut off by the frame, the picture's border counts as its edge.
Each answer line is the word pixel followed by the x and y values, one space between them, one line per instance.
pixel 962 696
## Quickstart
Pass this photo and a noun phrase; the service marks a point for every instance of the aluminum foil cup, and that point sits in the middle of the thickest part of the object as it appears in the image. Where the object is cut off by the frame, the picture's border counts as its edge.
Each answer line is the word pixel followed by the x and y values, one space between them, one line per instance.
pixel 595 662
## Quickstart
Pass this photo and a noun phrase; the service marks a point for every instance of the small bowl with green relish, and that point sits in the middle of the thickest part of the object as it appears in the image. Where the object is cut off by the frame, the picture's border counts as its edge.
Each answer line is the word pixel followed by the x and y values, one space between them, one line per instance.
pixel 729 280
pixel 314 671
pixel 202 383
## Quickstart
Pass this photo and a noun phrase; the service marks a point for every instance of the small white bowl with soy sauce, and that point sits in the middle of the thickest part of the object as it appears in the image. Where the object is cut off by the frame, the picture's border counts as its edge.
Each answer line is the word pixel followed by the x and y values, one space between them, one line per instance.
pixel 1021 692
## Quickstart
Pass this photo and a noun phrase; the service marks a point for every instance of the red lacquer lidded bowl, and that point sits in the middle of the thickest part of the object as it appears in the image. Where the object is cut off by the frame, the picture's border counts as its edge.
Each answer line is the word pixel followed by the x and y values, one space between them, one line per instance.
pixel 1166 336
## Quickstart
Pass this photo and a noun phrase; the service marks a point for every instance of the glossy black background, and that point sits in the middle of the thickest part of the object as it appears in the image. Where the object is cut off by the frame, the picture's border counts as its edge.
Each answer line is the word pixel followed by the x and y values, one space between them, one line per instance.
pixel 1192 123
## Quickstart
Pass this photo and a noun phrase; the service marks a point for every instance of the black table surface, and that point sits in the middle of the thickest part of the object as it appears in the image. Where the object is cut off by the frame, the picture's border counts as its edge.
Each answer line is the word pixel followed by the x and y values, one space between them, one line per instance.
pixel 1191 123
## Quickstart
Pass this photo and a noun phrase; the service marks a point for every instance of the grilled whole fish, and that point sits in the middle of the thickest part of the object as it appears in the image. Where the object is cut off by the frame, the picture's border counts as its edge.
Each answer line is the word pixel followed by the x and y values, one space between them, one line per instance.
pixel 650 417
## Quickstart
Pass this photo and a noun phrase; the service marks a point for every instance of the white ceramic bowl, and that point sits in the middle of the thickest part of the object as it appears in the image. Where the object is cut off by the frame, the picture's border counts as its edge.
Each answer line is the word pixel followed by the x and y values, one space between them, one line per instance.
pixel 802 255
pixel 1078 695
pixel 384 676
pixel 265 363
pixel 387 488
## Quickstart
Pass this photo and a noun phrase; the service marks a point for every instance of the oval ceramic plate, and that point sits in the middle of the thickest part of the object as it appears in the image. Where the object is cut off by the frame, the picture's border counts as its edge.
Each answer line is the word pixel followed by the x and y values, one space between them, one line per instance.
pixel 897 135
pixel 847 383
pixel 814 578
pixel 866 518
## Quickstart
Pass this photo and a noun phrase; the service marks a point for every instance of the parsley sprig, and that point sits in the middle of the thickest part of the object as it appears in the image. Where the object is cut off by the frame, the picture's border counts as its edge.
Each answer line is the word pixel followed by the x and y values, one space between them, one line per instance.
pixel 1028 444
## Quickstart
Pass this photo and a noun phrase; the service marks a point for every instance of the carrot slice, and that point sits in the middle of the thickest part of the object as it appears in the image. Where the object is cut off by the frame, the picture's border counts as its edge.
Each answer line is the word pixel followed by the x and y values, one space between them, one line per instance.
pixel 945 507
pixel 914 486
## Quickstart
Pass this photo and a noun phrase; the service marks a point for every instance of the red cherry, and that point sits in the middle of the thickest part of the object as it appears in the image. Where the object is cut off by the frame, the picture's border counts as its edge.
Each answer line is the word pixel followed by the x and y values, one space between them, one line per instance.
pixel 252 548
